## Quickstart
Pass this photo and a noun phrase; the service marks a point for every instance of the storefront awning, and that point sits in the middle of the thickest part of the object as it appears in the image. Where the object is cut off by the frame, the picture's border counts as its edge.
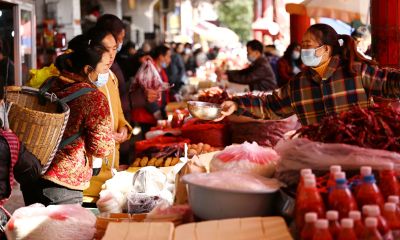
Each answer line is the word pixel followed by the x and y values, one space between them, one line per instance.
pixel 213 33
pixel 344 10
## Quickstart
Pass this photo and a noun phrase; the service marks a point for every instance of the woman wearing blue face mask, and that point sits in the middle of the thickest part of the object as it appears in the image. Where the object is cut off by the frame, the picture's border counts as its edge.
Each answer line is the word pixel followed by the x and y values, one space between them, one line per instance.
pixel 289 65
pixel 337 78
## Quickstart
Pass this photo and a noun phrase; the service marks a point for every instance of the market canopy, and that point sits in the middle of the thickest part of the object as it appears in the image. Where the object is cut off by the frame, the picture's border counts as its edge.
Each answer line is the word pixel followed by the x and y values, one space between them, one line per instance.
pixel 344 10
pixel 213 33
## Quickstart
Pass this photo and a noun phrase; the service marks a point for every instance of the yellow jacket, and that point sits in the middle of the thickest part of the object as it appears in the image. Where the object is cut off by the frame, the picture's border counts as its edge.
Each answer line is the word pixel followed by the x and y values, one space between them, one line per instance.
pixel 118 120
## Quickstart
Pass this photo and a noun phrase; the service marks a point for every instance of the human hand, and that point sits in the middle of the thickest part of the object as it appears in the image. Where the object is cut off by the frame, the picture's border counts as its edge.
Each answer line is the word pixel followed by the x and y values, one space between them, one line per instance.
pixel 228 108
pixel 152 95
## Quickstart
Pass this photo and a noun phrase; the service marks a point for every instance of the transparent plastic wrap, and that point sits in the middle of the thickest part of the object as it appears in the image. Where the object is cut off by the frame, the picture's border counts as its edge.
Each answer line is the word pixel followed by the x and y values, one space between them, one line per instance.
pixel 143 203
pixel 149 78
pixel 246 158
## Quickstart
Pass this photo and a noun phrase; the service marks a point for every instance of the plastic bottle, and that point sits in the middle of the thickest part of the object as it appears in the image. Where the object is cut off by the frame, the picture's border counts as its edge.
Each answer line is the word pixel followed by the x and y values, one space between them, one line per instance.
pixel 334 227
pixel 309 228
pixel 383 227
pixel 308 200
pixel 331 181
pixel 388 184
pixel 371 231
pixel 358 225
pixel 392 219
pixel 395 200
pixel 340 198
pixel 347 231
pixel 368 192
pixel 322 231
pixel 303 172
pixel 364 171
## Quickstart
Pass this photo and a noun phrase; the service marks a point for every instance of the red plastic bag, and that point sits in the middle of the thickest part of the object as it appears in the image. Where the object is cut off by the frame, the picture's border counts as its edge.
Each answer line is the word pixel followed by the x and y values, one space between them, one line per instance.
pixel 148 77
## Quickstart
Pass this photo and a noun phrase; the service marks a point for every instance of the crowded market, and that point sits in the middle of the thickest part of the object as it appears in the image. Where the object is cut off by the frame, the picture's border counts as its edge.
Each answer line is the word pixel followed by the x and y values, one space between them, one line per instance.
pixel 199 119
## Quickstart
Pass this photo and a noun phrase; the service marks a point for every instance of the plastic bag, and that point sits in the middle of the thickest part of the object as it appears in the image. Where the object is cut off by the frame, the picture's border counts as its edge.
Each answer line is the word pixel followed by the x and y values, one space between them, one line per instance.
pixel 39 76
pixel 61 222
pixel 111 201
pixel 143 202
pixel 300 153
pixel 247 158
pixel 148 77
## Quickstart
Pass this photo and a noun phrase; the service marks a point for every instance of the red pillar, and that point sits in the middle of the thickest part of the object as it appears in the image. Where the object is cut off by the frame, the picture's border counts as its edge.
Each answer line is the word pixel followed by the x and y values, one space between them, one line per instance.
pixel 298 26
pixel 385 26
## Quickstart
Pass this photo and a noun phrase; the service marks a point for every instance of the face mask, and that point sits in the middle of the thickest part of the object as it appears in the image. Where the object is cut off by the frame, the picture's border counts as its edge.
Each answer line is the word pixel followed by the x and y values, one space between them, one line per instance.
pixel 308 57
pixel 164 65
pixel 251 58
pixel 119 47
pixel 295 55
pixel 187 51
pixel 102 79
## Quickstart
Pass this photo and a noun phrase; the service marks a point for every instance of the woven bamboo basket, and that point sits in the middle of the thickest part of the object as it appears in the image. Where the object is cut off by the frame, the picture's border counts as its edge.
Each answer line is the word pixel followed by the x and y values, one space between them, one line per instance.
pixel 40 126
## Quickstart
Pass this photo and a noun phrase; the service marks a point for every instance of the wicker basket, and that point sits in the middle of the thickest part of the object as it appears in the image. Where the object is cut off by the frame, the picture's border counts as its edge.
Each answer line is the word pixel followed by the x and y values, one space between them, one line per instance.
pixel 40 126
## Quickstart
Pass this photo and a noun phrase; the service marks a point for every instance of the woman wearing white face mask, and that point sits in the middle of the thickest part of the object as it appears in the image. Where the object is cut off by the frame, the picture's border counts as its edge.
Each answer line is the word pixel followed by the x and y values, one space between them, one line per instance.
pixel 289 65
pixel 337 78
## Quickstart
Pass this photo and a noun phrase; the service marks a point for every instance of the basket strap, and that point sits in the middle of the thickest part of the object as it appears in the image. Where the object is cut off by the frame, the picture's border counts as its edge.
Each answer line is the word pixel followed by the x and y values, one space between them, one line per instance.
pixel 76 94
pixel 69 140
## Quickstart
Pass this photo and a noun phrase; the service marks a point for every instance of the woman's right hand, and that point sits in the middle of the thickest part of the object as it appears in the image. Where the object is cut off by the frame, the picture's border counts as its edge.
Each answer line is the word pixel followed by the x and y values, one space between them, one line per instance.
pixel 228 108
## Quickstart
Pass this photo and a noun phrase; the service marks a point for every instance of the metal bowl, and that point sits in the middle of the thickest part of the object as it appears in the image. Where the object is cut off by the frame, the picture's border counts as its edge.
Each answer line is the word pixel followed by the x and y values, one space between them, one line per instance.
pixel 208 203
pixel 204 110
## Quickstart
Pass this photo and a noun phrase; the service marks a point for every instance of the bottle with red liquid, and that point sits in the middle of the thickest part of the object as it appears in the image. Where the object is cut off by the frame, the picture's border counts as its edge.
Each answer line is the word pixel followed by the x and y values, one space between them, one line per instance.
pixel 332 180
pixel 368 192
pixel 333 219
pixel 359 228
pixel 340 198
pixel 309 228
pixel 308 200
pixel 388 183
pixel 383 227
pixel 364 171
pixel 322 231
pixel 371 231
pixel 392 219
pixel 304 172
pixel 346 230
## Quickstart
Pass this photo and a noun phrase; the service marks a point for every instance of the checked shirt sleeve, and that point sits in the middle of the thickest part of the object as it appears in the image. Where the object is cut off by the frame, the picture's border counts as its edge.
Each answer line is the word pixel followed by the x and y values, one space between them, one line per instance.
pixel 382 82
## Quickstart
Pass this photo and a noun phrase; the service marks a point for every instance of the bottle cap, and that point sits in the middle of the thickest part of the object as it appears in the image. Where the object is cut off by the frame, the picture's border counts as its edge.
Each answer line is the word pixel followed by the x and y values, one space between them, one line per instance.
pixel 322 224
pixel 355 215
pixel 332 215
pixel 340 175
pixel 390 207
pixel 374 211
pixel 310 182
pixel 394 199
pixel 365 171
pixel 371 222
pixel 347 223
pixel 305 171
pixel 335 168
pixel 365 209
pixel 308 176
pixel 311 217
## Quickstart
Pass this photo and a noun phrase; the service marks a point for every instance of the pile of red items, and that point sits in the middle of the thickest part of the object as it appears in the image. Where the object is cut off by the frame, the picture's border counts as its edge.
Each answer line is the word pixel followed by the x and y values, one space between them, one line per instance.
pixel 159 144
pixel 345 204
pixel 376 127
pixel 214 95
pixel 198 131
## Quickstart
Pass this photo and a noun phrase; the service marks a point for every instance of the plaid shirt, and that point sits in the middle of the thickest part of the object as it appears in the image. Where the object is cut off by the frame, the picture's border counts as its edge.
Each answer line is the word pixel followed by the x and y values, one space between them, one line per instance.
pixel 311 97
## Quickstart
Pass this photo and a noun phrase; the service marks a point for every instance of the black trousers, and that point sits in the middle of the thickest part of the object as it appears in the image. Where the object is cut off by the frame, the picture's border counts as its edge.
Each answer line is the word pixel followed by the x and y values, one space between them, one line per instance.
pixel 49 193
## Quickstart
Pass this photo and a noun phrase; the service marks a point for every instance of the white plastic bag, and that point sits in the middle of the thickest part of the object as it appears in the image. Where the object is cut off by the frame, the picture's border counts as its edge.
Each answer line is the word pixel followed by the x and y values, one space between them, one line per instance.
pixel 148 77
pixel 61 222
pixel 111 201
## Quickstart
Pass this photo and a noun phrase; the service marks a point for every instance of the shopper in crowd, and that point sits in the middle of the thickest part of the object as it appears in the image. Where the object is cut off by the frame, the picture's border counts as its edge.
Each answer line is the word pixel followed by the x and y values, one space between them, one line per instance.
pixel 176 71
pixel 15 160
pixel 272 54
pixel 259 75
pixel 213 53
pixel 146 47
pixel 336 79
pixel 6 66
pixel 188 58
pixel 200 56
pixel 89 121
pixel 146 112
pixel 125 58
pixel 289 65
pixel 139 58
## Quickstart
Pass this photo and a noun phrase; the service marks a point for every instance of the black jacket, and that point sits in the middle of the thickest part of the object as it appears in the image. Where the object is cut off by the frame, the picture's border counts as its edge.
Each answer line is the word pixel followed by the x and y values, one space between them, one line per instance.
pixel 26 170
pixel 259 76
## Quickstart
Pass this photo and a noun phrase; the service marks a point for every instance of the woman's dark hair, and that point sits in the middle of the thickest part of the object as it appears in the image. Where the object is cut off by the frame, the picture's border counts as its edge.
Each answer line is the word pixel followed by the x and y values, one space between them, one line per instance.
pixel 110 23
pixel 84 52
pixel 289 51
pixel 348 53
pixel 93 37
pixel 160 50
pixel 255 45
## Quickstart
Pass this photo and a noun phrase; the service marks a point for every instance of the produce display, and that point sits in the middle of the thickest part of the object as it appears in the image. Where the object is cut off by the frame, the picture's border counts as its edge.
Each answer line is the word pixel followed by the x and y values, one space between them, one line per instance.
pixel 247 158
pixel 156 162
pixel 377 127
pixel 207 132
pixel 214 95
pixel 200 148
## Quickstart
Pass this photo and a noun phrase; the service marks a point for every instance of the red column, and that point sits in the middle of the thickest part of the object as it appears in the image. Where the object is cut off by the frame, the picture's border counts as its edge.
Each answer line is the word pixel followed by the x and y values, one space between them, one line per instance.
pixel 298 26
pixel 385 26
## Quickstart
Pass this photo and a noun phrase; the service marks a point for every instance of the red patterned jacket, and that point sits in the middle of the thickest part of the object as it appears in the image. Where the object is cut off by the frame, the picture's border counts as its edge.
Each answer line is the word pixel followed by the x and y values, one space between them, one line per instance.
pixel 89 114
